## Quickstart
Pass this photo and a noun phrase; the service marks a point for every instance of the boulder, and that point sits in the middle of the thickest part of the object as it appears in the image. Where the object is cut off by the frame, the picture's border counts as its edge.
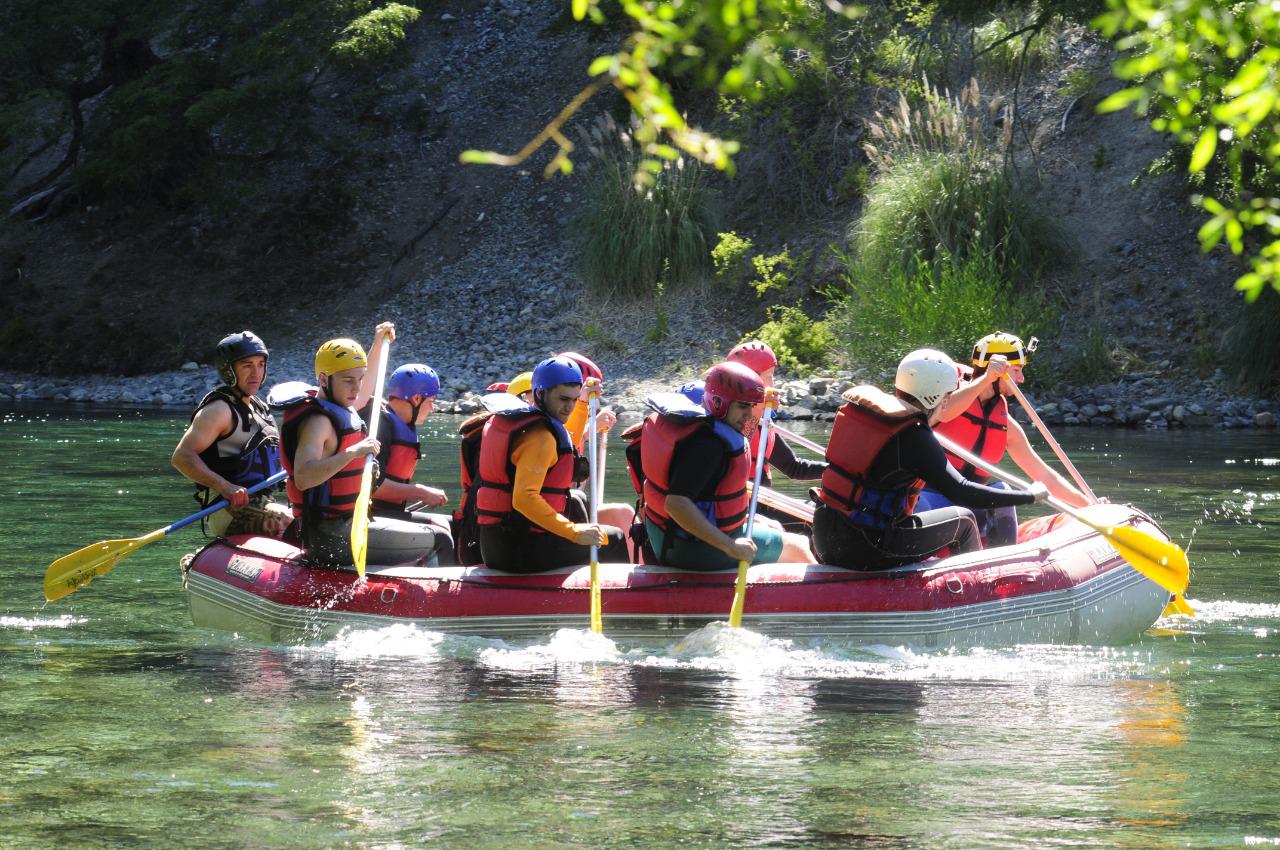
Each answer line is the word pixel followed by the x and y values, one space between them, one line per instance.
pixel 1265 419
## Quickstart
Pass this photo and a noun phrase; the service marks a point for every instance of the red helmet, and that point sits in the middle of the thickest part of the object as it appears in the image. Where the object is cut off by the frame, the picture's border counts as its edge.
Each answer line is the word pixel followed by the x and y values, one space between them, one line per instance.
pixel 586 364
pixel 730 382
pixel 755 355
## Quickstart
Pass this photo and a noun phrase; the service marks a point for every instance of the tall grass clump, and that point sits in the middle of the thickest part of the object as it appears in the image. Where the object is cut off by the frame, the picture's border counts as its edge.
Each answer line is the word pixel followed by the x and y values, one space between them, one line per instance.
pixel 945 305
pixel 1252 346
pixel 633 236
pixel 943 189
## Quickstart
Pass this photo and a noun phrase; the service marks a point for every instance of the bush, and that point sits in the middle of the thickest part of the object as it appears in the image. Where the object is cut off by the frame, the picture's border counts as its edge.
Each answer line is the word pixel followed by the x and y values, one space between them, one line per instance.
pixel 632 236
pixel 729 258
pixel 946 305
pixel 800 343
pixel 1253 345
pixel 929 207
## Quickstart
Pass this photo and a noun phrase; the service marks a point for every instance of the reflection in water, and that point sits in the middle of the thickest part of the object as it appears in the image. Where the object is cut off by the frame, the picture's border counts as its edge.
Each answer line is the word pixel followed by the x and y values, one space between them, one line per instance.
pixel 1153 732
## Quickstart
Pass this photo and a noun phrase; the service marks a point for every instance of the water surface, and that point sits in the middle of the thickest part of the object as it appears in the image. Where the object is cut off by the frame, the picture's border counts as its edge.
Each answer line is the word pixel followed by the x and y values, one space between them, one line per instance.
pixel 122 725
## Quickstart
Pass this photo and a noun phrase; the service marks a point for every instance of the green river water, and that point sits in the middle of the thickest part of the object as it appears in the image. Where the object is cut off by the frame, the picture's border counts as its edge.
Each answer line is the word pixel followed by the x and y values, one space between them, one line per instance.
pixel 123 725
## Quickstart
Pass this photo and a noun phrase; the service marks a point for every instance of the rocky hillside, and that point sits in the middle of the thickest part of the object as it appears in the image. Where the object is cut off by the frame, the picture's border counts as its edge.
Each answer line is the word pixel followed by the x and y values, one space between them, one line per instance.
pixel 476 264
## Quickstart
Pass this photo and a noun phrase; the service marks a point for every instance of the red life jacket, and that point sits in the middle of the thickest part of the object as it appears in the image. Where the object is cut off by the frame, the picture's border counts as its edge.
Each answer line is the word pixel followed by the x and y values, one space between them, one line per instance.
pixel 335 498
pixel 498 473
pixel 862 430
pixel 399 455
pixel 766 479
pixel 982 429
pixel 661 436
pixel 466 529
pixel 635 461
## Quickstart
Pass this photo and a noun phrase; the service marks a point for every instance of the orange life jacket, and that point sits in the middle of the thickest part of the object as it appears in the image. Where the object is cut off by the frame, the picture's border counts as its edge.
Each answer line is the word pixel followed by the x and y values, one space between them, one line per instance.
pixel 497 473
pixel 766 479
pixel 335 498
pixel 466 530
pixel 635 460
pixel 982 429
pixel 862 430
pixel 661 436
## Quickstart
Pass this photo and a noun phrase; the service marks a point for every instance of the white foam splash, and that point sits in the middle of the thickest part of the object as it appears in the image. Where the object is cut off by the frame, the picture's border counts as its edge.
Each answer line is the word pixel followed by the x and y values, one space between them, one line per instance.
pixel 572 646
pixel 30 624
pixel 400 640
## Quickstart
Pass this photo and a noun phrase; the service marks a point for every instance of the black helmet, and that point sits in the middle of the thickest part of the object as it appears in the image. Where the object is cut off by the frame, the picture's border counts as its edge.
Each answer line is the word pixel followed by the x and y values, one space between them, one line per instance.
pixel 237 347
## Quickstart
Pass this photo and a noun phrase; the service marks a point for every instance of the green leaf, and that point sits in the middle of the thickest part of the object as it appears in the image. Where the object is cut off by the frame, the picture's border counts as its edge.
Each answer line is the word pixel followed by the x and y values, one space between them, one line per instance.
pixel 601 64
pixel 580 9
pixel 1204 150
pixel 1121 99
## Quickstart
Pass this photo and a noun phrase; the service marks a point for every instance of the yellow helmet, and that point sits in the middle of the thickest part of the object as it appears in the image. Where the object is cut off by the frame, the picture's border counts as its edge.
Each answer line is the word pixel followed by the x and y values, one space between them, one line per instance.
pixel 338 355
pixel 521 383
pixel 1002 343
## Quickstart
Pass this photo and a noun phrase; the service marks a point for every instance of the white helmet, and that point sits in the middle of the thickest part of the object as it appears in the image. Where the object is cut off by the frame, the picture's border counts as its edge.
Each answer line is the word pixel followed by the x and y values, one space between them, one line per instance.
pixel 927 375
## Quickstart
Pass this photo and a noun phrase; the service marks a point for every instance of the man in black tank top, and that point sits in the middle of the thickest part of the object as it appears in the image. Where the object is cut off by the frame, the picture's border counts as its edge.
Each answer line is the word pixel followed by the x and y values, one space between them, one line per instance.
pixel 232 442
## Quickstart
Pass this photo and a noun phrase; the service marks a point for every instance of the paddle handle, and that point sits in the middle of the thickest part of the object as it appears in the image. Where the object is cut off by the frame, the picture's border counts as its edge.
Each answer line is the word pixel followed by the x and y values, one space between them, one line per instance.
pixel 1053 444
pixel 360 517
pixel 740 585
pixel 222 503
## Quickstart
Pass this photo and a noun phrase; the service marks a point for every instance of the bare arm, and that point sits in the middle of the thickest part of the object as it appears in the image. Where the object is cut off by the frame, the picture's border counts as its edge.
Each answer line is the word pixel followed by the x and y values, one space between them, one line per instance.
pixel 370 379
pixel 211 423
pixel 958 402
pixel 686 513
pixel 1021 453
pixel 397 491
pixel 316 459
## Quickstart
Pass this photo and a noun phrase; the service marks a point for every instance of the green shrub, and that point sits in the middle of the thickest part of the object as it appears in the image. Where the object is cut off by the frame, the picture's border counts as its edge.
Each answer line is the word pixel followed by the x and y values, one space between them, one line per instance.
pixel 946 305
pixel 628 234
pixel 801 343
pixel 773 273
pixel 935 206
pixel 1005 59
pixel 1097 362
pixel 1252 346
pixel 729 258
pixel 374 35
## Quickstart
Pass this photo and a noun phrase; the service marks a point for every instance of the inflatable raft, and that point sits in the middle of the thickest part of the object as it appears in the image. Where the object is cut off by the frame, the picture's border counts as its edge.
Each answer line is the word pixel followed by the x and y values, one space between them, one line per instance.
pixel 1061 583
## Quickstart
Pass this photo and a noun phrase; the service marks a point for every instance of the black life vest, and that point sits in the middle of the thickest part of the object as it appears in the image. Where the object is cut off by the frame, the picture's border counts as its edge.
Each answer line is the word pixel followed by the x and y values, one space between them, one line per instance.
pixel 253 429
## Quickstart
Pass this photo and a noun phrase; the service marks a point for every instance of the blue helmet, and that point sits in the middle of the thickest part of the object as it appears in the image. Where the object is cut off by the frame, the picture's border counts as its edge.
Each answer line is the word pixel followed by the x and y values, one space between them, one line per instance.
pixel 413 379
pixel 555 371
pixel 692 391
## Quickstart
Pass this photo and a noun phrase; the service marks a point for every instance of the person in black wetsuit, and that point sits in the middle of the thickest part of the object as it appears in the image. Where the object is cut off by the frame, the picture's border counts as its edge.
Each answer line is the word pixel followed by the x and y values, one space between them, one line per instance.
pixel 882 452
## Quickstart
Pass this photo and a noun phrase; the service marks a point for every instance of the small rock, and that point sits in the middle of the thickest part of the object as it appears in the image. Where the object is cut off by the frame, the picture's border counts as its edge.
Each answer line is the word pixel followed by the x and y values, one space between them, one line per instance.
pixel 1265 419
pixel 190 366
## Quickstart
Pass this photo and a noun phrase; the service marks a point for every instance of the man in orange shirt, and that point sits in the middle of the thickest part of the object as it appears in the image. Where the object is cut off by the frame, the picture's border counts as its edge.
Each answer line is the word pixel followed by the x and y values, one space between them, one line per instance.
pixel 526 469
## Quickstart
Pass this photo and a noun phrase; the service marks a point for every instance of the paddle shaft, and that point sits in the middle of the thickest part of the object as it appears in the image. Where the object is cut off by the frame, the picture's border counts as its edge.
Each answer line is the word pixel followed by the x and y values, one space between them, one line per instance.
pixel 593 474
pixel 71 572
pixel 803 442
pixel 1053 444
pixel 222 503
pixel 740 585
pixel 360 518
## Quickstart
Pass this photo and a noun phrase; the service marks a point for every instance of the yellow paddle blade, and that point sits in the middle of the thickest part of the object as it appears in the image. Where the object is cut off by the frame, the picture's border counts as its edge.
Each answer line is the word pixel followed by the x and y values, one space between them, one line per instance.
pixel 360 522
pixel 1178 605
pixel 739 596
pixel 71 572
pixel 1161 561
pixel 597 622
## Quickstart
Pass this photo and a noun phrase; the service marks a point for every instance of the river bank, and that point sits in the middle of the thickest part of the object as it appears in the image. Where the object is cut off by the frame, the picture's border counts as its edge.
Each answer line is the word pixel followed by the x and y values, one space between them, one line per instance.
pixel 1136 400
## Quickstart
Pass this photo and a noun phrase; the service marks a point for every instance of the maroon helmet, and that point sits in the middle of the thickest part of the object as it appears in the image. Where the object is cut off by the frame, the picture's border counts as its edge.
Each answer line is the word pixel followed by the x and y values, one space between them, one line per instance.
pixel 729 382
pixel 586 364
pixel 755 355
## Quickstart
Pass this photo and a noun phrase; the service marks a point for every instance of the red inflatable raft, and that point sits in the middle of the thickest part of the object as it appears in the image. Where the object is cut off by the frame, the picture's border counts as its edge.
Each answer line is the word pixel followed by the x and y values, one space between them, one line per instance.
pixel 1062 583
